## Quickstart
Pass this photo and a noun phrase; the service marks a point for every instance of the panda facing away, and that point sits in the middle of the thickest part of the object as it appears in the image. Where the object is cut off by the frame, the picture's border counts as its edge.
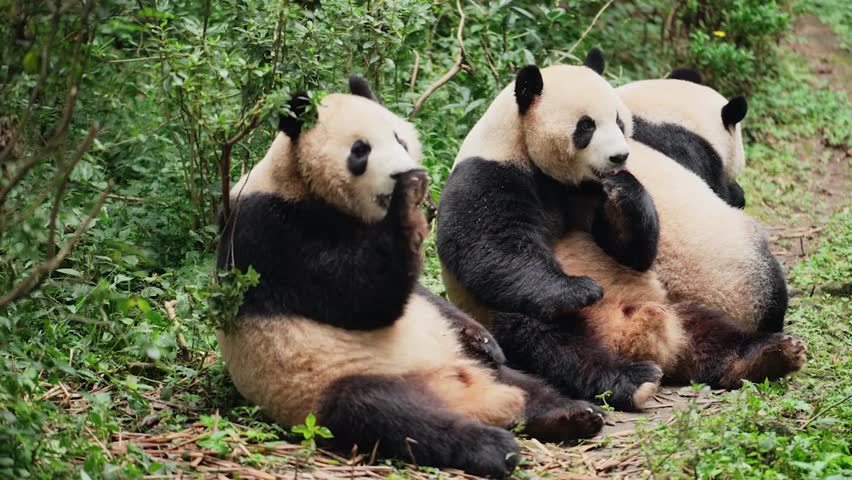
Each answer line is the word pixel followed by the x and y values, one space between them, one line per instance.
pixel 338 324
pixel 692 124
pixel 539 214
pixel 709 252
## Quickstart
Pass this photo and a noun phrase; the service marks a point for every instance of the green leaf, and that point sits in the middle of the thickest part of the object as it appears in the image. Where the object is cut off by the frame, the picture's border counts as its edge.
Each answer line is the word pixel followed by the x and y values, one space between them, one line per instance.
pixel 70 271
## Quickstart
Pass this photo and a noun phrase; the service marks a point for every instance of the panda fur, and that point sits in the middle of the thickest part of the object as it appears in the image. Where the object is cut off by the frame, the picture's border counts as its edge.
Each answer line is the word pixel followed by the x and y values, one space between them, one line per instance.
pixel 520 256
pixel 692 124
pixel 338 325
pixel 501 212
pixel 724 263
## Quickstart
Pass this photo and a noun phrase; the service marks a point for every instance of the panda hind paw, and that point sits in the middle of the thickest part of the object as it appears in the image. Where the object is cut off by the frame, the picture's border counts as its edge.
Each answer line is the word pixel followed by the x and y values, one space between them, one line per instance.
pixel 578 419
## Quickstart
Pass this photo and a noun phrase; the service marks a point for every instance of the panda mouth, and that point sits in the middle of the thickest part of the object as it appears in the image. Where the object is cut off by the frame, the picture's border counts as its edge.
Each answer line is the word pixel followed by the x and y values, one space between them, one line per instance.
pixel 601 174
pixel 383 200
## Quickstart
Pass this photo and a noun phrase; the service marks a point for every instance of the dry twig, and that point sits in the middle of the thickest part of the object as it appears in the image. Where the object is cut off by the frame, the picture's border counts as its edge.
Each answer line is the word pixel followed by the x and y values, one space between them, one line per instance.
pixel 460 65
pixel 589 28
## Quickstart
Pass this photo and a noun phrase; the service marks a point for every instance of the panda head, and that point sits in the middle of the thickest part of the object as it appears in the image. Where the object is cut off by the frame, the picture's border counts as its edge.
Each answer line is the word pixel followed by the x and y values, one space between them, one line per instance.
pixel 573 122
pixel 352 154
pixel 681 99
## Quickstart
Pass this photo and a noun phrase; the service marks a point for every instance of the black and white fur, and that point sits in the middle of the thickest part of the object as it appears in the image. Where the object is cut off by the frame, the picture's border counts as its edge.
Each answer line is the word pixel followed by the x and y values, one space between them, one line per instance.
pixel 527 207
pixel 542 162
pixel 339 326
pixel 692 124
pixel 708 252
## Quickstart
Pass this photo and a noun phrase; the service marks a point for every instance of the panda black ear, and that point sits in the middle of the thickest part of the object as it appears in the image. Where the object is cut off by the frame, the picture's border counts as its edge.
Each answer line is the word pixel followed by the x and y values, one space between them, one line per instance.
pixel 688 74
pixel 595 60
pixel 359 86
pixel 291 123
pixel 528 85
pixel 735 111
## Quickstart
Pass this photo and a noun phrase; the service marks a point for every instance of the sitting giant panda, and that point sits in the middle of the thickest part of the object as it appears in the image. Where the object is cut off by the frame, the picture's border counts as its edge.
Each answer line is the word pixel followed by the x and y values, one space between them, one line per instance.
pixel 338 325
pixel 709 252
pixel 539 213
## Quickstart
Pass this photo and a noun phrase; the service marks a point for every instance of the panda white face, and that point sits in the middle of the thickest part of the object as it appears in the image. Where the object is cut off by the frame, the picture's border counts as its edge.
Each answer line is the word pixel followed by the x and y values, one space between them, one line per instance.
pixel 351 157
pixel 574 130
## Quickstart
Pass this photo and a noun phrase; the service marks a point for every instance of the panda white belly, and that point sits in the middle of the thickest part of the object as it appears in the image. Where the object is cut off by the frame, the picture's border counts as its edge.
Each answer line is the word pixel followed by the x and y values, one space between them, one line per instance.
pixel 708 251
pixel 285 364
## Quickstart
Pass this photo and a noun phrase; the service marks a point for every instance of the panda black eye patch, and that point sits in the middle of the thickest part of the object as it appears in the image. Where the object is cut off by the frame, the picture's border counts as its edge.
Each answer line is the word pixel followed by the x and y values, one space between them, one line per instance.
pixel 582 136
pixel 401 141
pixel 358 155
pixel 619 122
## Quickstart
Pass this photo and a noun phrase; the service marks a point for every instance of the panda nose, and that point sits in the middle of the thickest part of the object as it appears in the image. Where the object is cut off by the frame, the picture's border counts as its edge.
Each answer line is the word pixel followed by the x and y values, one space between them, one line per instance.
pixel 619 159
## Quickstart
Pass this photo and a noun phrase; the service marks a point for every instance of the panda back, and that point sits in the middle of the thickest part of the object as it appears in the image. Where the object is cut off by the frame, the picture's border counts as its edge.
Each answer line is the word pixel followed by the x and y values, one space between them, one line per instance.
pixel 709 251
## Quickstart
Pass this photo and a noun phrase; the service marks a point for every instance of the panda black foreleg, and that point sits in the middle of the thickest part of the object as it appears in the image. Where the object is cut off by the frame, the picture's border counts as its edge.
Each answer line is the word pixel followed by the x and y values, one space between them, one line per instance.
pixel 626 225
pixel 736 195
pixel 476 340
pixel 403 420
pixel 495 238
pixel 572 362
pixel 722 354
pixel 549 416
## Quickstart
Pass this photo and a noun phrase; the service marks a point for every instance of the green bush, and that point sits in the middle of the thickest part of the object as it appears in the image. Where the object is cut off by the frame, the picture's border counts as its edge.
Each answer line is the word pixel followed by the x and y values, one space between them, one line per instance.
pixel 732 42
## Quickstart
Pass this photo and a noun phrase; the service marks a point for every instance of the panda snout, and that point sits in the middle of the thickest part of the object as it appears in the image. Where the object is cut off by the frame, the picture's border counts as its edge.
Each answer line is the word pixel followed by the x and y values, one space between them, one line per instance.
pixel 619 159
pixel 406 173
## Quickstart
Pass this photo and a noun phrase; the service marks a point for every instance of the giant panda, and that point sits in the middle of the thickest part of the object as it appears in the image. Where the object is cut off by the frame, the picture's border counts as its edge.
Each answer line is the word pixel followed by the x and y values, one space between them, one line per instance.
pixel 338 324
pixel 692 124
pixel 539 213
pixel 709 253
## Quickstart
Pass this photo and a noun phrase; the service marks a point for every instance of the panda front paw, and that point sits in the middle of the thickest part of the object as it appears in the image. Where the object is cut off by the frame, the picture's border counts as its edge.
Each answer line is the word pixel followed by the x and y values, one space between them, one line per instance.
pixel 479 344
pixel 581 292
pixel 410 189
pixel 571 421
pixel 621 186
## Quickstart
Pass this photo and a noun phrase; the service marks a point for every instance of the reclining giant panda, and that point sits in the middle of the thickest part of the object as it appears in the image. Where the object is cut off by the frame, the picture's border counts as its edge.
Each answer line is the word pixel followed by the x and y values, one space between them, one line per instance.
pixel 708 252
pixel 539 213
pixel 338 325
pixel 693 125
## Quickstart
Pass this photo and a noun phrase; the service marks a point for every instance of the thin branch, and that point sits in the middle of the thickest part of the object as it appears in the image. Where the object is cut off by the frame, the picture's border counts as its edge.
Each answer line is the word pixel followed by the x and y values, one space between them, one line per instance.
pixel 460 65
pixel 50 147
pixel 589 28
pixel 414 71
pixel 35 279
pixel 60 190
pixel 486 49
pixel 225 161
pixel 42 77
pixel 826 409
pixel 144 59
pixel 276 47
pixel 70 101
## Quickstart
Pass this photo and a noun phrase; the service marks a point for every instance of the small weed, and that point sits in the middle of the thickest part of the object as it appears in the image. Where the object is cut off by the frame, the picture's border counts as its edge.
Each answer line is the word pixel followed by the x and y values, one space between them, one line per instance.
pixel 310 432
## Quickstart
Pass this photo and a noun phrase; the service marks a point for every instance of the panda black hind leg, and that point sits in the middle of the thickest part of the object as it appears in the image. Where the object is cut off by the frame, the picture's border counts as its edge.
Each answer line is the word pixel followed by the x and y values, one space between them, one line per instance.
pixel 549 416
pixel 400 418
pixel 722 354
pixel 574 365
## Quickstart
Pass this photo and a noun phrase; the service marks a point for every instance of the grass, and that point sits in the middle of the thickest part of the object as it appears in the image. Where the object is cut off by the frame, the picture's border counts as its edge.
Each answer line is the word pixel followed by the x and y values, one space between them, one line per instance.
pixel 144 393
